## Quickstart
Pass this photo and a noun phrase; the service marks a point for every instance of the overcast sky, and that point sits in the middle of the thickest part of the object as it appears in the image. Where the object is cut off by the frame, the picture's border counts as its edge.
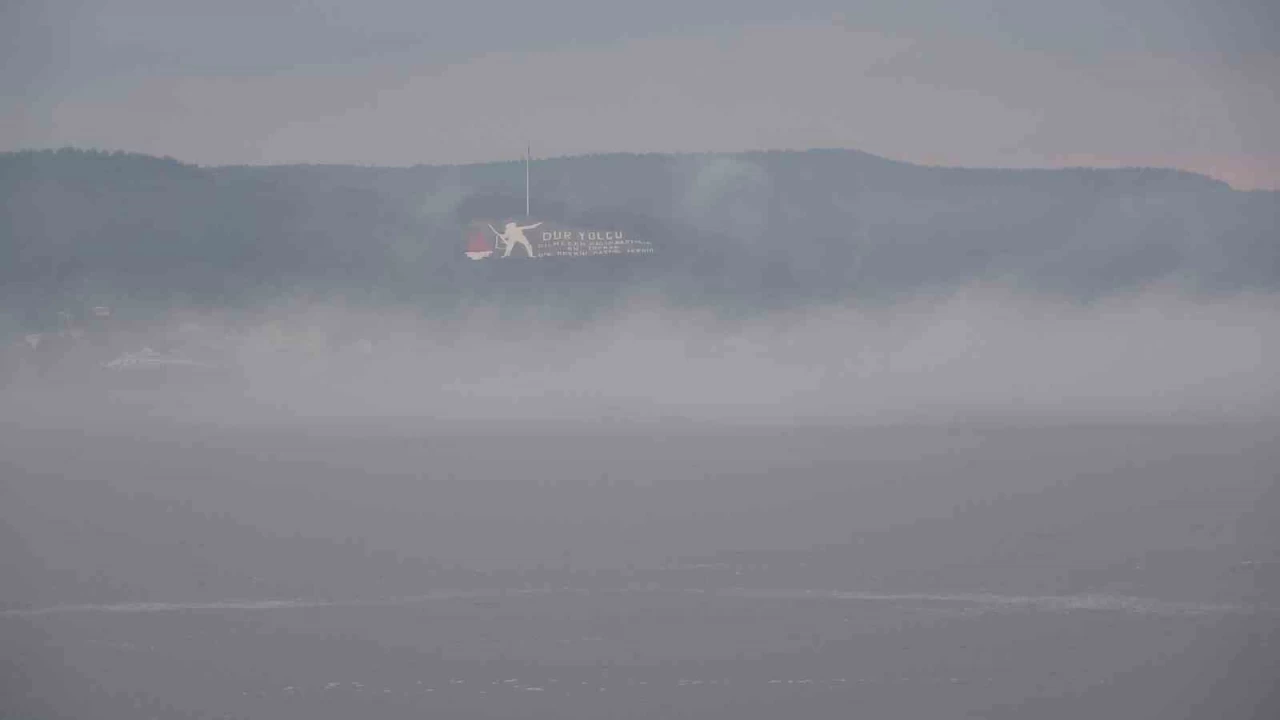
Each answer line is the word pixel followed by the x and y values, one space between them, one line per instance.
pixel 1183 83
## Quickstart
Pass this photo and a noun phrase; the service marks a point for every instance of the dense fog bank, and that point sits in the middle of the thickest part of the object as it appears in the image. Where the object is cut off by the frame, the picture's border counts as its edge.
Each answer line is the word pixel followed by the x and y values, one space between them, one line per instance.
pixel 977 354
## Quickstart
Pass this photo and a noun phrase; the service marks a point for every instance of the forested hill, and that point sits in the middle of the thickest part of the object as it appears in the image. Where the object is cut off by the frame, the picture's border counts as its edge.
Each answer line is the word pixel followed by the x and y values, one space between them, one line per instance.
pixel 749 231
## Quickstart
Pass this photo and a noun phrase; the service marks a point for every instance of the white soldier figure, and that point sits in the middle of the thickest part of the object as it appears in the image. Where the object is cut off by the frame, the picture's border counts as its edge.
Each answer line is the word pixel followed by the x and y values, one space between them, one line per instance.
pixel 513 236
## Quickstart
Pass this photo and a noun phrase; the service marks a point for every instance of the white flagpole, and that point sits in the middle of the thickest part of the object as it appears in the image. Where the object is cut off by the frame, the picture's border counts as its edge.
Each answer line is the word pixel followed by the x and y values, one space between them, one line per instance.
pixel 527 153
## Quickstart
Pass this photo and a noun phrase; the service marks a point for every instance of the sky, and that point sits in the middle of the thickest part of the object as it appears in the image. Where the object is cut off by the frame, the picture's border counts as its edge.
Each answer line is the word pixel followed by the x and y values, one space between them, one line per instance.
pixel 1027 83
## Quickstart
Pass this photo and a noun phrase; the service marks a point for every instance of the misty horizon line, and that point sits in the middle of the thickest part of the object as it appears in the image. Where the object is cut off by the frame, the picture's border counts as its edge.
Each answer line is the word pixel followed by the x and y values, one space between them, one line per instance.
pixel 746 153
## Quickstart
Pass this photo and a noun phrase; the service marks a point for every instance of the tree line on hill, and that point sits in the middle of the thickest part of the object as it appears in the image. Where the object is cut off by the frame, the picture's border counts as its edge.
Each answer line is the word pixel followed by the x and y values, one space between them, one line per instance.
pixel 744 232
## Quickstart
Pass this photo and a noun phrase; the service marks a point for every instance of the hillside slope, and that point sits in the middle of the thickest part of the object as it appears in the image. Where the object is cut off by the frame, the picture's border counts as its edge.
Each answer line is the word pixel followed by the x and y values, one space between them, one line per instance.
pixel 747 231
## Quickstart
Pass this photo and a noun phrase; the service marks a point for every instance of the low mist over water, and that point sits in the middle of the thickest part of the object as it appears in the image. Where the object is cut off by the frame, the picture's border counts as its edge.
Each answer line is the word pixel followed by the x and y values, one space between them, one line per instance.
pixel 979 354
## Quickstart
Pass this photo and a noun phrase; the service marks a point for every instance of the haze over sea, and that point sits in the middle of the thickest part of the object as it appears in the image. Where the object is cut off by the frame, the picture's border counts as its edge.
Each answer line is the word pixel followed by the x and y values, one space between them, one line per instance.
pixel 858 437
